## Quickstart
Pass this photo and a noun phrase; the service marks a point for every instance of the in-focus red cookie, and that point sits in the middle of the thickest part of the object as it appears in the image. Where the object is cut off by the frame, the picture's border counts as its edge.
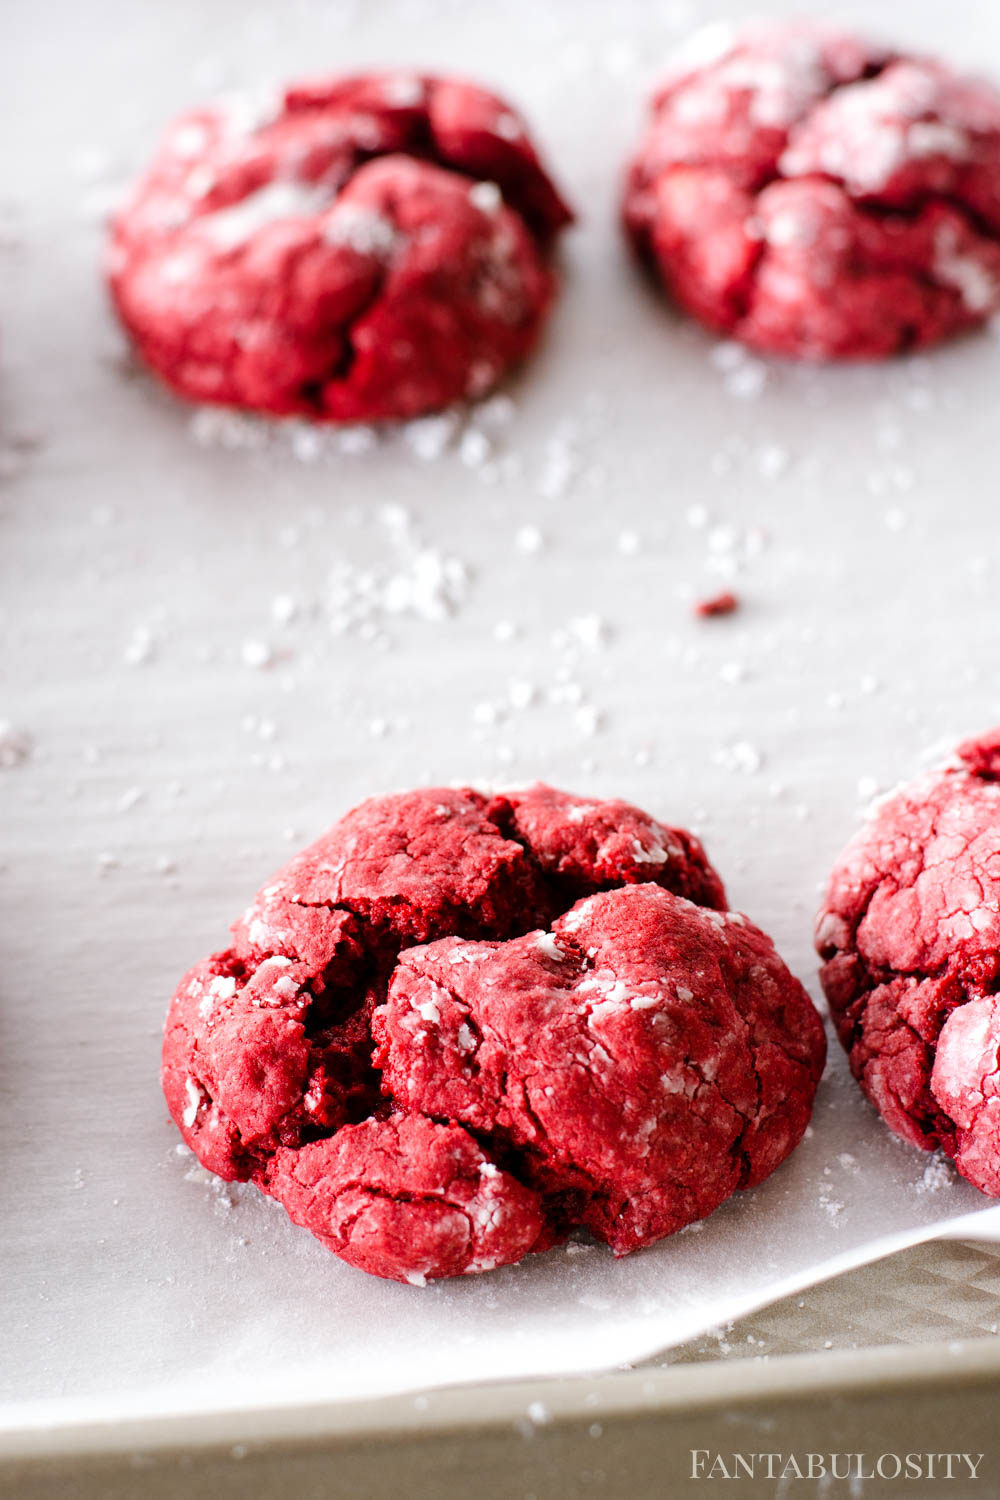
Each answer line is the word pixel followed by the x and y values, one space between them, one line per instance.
pixel 458 1025
pixel 909 934
pixel 815 195
pixel 372 247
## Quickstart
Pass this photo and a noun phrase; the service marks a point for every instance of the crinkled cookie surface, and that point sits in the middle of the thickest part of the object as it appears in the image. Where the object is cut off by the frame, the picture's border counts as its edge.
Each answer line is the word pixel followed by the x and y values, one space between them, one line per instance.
pixel 910 937
pixel 818 196
pixel 458 1026
pixel 371 247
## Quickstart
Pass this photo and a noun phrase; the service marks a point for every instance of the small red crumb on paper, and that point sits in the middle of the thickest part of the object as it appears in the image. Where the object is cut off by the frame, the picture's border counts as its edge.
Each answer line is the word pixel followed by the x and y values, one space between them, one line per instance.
pixel 718 604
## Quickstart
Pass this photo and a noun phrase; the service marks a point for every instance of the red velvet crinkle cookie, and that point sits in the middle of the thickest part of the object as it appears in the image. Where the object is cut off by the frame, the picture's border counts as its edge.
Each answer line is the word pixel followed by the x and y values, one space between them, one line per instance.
pixel 910 937
pixel 458 1026
pixel 373 247
pixel 814 195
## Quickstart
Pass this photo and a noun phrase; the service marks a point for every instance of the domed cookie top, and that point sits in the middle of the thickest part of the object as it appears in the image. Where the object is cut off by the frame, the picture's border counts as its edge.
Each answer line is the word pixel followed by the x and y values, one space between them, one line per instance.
pixel 372 247
pixel 815 195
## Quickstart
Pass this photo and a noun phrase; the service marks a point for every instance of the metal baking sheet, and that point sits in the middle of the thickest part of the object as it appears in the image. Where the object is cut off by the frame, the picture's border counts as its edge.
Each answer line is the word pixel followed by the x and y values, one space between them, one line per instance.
pixel 204 662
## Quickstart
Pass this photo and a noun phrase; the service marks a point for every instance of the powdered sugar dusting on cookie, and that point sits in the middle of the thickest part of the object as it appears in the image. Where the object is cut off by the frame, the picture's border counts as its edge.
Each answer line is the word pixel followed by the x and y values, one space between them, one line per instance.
pixel 795 191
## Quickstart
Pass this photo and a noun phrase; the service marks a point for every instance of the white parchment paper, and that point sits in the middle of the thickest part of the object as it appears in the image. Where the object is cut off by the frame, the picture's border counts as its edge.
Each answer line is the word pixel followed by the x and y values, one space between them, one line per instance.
pixel 196 686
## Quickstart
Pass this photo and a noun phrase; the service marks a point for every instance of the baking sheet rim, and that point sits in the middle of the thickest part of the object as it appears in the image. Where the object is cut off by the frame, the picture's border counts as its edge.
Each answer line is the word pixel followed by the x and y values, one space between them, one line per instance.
pixel 783 1378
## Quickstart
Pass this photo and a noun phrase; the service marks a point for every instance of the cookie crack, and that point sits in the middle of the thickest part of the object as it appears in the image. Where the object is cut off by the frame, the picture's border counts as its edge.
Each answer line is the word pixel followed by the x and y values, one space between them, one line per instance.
pixel 314 391
pixel 373 1193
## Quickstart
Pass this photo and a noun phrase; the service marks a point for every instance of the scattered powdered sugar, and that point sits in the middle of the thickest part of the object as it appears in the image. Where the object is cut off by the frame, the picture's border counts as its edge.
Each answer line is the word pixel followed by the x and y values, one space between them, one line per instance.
pixel 475 435
pixel 495 412
pixel 430 437
pixel 140 647
pixel 420 580
pixel 285 198
pixel 772 460
pixel 486 196
pixel 547 944
pixel 561 464
pixel 130 798
pixel 938 1174
pixel 656 855
pixel 193 1095
pixel 431 586
pixel 704 48
pixel 309 442
pixel 588 719
pixel 428 1010
pixel 868 787
pixel 743 374
pixel 223 987
pixel 935 138
pixel 832 1206
pixel 612 992
pixel 360 229
pixel 256 653
pixel 529 540
pixel 740 756
pixel 246 110
pixel 522 694
pixel 591 631
pixel 730 549
pixel 92 163
pixel 474 448
pixel 467 1043
pixel 219 427
pixel 284 608
pixel 880 128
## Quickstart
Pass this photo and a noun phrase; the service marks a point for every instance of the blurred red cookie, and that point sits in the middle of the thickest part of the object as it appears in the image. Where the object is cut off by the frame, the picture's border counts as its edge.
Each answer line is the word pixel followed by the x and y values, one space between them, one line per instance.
pixel 815 195
pixel 372 247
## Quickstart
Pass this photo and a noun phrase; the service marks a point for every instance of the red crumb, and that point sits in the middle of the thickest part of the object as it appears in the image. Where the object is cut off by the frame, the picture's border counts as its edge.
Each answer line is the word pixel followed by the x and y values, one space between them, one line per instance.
pixel 719 604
